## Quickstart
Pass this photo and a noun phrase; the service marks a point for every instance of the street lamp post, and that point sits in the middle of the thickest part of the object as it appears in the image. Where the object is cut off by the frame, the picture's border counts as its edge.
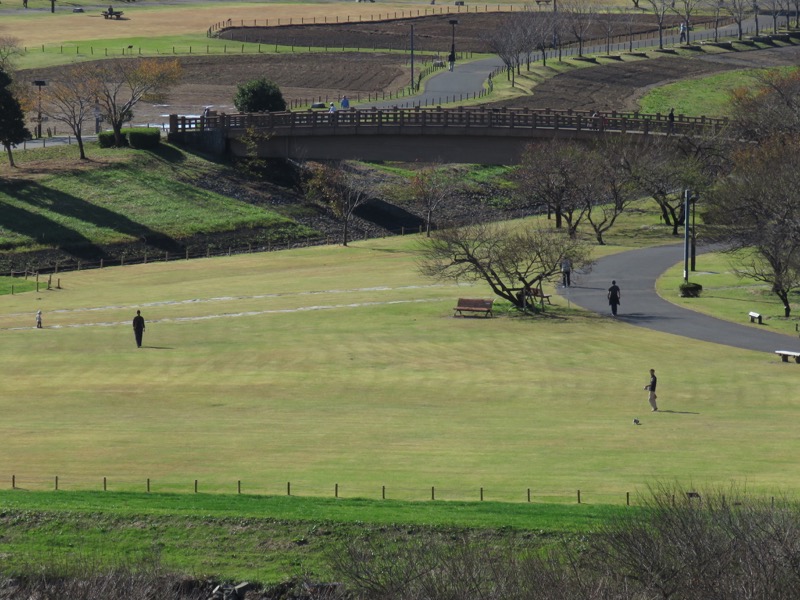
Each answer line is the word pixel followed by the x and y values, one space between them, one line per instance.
pixel 453 23
pixel 39 84
pixel 412 57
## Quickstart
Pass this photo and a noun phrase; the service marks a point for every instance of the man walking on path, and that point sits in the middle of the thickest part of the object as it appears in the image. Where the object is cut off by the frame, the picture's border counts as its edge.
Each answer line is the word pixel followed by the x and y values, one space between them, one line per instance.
pixel 38 319
pixel 614 297
pixel 651 387
pixel 138 328
pixel 566 271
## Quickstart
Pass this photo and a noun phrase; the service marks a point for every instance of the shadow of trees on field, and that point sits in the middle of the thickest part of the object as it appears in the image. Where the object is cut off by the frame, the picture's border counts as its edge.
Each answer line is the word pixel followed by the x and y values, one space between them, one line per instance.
pixel 47 231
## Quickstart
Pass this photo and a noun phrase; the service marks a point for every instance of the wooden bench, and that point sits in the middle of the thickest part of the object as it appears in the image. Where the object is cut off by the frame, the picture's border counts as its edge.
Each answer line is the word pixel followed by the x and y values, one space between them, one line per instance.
pixel 117 14
pixel 785 354
pixel 754 316
pixel 474 305
pixel 538 294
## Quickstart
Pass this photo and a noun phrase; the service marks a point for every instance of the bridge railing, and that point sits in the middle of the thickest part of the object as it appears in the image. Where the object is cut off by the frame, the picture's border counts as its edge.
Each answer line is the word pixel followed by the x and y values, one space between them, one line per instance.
pixel 416 120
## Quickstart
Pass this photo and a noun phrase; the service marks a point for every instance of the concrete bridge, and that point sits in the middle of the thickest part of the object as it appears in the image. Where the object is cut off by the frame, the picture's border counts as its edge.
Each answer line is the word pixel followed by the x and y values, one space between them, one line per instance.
pixel 464 134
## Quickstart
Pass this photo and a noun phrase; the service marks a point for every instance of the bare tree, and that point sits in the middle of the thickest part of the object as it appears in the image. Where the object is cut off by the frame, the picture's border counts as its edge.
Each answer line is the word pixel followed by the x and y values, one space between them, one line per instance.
pixel 10 51
pixel 615 189
pixel 507 42
pixel 338 187
pixel 608 22
pixel 510 259
pixel 662 171
pixel 119 85
pixel 660 8
pixel 431 187
pixel 738 10
pixel 629 22
pixel 769 110
pixel 715 7
pixel 774 9
pixel 561 177
pixel 756 210
pixel 580 16
pixel 70 100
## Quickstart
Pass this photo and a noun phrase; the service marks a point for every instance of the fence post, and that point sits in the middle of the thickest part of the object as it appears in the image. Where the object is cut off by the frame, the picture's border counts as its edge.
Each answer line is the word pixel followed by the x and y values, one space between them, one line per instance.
pixel 288 488
pixel 56 482
pixel 14 486
pixel 383 492
pixel 627 498
pixel 105 487
pixel 481 494
pixel 433 493
pixel 148 485
pixel 195 486
pixel 579 496
pixel 529 495
pixel 336 491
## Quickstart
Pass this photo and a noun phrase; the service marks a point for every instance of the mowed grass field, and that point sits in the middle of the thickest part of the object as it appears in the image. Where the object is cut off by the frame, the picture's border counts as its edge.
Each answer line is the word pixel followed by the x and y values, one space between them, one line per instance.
pixel 344 366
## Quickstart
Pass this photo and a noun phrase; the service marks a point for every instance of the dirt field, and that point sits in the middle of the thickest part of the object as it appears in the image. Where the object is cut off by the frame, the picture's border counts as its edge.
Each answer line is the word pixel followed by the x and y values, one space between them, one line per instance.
pixel 212 80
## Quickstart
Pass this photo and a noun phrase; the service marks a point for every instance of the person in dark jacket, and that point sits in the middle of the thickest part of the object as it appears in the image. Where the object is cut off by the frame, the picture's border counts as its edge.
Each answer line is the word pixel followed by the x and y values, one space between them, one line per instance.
pixel 651 387
pixel 138 328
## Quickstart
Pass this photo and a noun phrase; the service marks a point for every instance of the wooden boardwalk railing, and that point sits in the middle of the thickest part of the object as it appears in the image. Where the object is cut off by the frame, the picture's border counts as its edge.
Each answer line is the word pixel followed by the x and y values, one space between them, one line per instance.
pixel 416 121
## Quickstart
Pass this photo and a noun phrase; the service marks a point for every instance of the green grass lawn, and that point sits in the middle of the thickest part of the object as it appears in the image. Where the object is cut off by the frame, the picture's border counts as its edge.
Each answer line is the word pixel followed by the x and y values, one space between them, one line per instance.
pixel 708 96
pixel 344 366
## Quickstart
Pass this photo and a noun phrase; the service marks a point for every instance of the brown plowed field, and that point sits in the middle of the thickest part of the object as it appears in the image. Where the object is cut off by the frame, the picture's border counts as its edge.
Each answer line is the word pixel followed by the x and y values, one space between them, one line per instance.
pixel 212 80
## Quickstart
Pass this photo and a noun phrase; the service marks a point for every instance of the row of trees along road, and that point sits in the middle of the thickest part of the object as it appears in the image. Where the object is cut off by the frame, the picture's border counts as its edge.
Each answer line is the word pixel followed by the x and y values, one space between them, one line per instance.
pixel 525 34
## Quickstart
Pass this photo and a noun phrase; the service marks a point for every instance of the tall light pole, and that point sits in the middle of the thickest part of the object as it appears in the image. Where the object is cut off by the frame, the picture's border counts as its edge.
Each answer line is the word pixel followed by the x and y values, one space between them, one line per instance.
pixel 412 58
pixel 40 84
pixel 453 23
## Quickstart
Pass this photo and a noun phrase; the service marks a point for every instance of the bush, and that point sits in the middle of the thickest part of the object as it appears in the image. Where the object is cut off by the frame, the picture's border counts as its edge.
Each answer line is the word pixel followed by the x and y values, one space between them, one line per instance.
pixel 142 138
pixel 106 139
pixel 259 95
pixel 691 290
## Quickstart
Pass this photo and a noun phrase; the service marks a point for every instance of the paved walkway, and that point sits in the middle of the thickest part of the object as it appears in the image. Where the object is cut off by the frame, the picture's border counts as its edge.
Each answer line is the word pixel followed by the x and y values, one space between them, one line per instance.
pixel 468 78
pixel 636 271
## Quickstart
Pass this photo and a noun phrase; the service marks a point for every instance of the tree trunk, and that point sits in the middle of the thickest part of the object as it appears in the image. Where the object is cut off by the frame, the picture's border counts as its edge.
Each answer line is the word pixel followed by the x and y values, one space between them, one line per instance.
pixel 10 156
pixel 80 147
pixel 345 230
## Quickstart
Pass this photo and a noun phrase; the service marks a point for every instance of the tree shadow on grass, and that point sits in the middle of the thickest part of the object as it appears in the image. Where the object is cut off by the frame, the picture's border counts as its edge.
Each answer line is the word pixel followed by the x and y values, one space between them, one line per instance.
pixel 48 232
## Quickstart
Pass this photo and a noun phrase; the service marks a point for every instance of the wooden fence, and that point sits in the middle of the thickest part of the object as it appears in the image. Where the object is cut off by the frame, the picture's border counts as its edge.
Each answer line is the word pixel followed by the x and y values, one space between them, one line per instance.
pixel 415 121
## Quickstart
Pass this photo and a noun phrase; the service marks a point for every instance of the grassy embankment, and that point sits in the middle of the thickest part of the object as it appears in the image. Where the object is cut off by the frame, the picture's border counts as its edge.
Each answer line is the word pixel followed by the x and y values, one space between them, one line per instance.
pixel 126 197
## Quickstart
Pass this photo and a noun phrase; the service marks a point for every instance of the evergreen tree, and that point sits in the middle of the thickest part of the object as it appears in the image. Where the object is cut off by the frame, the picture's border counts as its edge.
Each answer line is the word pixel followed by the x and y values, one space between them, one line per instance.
pixel 12 120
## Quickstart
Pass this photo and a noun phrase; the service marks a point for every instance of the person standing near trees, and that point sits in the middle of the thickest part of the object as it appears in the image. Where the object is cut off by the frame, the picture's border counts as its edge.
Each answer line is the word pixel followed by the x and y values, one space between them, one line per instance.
pixel 566 272
pixel 138 328
pixel 614 297
pixel 651 387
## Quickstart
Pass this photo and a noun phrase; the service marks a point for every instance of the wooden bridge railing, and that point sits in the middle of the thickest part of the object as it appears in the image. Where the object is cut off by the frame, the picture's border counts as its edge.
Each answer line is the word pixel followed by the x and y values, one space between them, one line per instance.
pixel 416 120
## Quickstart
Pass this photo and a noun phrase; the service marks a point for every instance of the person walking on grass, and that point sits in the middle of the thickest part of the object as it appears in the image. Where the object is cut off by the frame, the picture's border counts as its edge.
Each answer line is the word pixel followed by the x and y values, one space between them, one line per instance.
pixel 651 388
pixel 138 328
pixel 38 319
pixel 614 297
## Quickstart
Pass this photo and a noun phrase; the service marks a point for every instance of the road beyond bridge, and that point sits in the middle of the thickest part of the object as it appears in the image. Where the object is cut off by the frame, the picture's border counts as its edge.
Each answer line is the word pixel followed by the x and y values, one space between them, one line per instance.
pixel 463 134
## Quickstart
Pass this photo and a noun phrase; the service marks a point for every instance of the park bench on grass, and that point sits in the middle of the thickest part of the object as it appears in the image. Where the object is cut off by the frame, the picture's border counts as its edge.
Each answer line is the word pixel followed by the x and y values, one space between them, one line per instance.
pixel 754 316
pixel 116 14
pixel 474 305
pixel 538 294
pixel 785 354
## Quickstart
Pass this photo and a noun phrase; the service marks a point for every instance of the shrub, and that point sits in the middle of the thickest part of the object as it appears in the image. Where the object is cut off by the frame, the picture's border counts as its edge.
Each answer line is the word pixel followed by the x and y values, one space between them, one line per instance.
pixel 106 139
pixel 259 95
pixel 691 290
pixel 143 138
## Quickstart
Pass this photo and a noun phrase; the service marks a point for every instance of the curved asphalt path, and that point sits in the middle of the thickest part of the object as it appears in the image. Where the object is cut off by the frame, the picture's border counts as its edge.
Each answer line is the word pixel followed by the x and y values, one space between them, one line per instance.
pixel 635 272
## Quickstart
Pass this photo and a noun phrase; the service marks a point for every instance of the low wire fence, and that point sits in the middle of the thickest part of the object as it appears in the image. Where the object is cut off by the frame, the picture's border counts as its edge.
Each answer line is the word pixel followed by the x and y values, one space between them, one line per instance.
pixel 307 489
pixel 303 489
